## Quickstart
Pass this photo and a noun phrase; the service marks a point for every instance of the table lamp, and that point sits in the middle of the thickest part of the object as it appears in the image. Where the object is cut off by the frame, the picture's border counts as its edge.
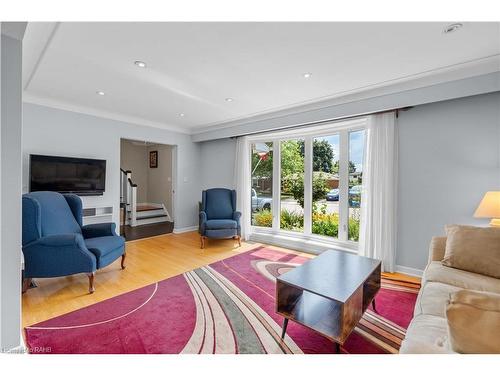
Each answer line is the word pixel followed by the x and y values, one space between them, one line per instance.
pixel 490 208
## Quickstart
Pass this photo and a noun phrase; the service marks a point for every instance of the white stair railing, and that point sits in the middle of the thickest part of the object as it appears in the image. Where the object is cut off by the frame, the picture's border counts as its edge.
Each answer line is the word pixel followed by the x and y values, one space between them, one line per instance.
pixel 129 194
pixel 133 206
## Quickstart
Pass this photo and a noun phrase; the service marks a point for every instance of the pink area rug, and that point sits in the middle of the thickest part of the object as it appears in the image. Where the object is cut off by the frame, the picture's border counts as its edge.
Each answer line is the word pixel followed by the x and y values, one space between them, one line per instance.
pixel 226 307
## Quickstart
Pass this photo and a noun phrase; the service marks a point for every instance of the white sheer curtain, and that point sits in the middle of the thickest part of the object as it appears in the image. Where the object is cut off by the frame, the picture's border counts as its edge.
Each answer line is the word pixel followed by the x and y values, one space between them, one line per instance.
pixel 377 237
pixel 242 184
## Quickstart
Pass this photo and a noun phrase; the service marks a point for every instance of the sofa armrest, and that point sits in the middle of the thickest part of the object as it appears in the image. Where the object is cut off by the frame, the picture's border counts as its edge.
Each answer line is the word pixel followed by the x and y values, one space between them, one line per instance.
pixel 437 249
pixel 99 230
pixel 58 255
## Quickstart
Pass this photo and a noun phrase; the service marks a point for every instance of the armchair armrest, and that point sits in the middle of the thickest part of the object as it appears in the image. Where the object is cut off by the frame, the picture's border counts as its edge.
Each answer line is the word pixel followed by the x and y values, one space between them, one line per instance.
pixel 237 216
pixel 203 220
pixel 99 230
pixel 58 255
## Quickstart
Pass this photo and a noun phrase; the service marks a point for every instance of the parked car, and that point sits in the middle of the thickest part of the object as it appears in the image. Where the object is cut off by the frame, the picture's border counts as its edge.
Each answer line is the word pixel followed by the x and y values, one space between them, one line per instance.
pixel 333 195
pixel 354 195
pixel 260 203
pixel 355 190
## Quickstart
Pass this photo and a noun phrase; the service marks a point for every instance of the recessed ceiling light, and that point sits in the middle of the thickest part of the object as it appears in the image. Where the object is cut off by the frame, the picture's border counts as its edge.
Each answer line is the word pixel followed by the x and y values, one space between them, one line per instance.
pixel 452 28
pixel 100 93
pixel 229 99
pixel 140 64
pixel 307 75
pixel 182 114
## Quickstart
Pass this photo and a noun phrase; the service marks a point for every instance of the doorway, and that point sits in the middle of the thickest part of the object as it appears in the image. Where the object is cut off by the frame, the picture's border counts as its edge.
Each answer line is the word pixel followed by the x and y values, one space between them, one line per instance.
pixel 146 189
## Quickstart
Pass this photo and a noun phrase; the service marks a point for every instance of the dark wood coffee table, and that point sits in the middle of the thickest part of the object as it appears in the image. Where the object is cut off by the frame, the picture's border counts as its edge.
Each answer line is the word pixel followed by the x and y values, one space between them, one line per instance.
pixel 329 293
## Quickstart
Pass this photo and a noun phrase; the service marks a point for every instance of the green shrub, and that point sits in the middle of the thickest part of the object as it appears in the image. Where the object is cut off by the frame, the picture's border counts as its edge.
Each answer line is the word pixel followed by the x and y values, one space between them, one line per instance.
pixel 353 229
pixel 290 220
pixel 325 224
pixel 263 218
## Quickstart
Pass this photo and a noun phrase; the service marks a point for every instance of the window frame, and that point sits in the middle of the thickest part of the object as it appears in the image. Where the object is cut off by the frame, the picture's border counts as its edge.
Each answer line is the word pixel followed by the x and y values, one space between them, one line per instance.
pixel 343 128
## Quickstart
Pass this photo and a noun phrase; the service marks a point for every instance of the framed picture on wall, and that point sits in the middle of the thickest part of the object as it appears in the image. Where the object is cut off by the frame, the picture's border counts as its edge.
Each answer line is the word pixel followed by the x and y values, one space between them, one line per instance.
pixel 153 159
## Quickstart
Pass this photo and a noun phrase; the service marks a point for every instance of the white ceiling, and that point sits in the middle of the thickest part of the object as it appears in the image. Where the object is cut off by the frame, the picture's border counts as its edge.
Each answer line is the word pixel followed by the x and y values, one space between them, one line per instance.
pixel 193 67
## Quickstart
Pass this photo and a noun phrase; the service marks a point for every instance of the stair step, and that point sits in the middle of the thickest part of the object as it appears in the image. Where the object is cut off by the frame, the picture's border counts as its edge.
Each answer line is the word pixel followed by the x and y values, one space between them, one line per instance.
pixel 148 208
pixel 151 217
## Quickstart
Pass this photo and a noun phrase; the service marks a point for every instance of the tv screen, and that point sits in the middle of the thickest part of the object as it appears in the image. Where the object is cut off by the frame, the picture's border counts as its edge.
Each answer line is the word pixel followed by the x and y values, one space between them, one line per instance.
pixel 67 175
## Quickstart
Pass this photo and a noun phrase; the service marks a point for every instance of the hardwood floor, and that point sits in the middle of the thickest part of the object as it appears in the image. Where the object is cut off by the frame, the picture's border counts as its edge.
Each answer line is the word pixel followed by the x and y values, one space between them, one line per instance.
pixel 148 260
pixel 146 231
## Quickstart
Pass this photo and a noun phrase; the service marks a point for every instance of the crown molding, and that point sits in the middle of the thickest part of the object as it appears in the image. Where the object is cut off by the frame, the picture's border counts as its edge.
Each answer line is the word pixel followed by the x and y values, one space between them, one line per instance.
pixel 58 104
pixel 483 84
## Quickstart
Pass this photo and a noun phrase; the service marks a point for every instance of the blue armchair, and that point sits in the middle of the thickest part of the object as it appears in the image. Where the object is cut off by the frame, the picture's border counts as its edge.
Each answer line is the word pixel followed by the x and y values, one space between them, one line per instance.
pixel 55 243
pixel 218 215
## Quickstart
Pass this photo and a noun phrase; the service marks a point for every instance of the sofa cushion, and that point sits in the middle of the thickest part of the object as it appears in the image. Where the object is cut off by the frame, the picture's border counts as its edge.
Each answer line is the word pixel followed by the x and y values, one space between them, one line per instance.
pixel 433 298
pixel 101 246
pixel 473 249
pixel 426 334
pixel 474 322
pixel 221 224
pixel 436 272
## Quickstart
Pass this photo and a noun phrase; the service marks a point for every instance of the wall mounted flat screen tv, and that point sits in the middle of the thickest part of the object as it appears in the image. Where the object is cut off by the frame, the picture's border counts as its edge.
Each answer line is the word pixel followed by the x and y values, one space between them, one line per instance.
pixel 67 175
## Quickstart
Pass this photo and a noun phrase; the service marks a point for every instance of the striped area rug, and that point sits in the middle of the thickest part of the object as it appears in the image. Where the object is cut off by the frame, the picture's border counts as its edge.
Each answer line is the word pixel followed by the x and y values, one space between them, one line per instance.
pixel 226 307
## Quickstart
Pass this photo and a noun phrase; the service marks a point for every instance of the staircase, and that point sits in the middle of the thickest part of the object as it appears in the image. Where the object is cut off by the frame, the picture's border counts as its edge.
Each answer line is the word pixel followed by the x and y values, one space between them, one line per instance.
pixel 148 213
pixel 139 213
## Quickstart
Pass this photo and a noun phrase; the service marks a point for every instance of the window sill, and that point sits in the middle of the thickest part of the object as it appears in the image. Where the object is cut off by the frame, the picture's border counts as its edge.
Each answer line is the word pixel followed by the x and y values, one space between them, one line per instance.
pixel 313 244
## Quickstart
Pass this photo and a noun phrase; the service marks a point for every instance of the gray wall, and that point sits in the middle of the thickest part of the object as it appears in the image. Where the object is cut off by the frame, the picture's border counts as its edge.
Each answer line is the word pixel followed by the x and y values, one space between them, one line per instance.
pixel 449 157
pixel 160 179
pixel 217 163
pixel 57 132
pixel 136 159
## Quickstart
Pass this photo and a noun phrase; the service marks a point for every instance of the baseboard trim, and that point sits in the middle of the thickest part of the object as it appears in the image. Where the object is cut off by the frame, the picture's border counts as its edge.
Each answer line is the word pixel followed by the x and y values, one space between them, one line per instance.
pixel 185 229
pixel 409 271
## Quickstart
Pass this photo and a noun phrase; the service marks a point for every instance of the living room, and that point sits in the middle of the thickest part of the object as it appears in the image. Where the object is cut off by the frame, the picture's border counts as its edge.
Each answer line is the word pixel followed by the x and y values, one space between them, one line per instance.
pixel 251 187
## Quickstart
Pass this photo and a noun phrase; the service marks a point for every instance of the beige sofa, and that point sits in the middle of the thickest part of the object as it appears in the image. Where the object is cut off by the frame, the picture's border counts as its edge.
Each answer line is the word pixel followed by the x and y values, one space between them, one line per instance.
pixel 428 332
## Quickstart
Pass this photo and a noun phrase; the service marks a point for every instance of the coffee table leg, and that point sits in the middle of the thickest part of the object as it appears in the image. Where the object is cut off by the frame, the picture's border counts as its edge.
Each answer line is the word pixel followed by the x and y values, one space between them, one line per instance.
pixel 373 305
pixel 337 348
pixel 285 324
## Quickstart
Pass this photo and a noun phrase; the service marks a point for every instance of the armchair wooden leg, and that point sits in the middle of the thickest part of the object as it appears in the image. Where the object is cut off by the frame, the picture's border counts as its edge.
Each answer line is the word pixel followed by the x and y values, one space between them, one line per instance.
pixel 26 284
pixel 123 260
pixel 91 282
pixel 239 240
pixel 202 238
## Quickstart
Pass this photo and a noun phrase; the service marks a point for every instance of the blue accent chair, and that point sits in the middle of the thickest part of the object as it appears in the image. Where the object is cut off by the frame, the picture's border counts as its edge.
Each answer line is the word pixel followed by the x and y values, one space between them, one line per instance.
pixel 218 215
pixel 55 243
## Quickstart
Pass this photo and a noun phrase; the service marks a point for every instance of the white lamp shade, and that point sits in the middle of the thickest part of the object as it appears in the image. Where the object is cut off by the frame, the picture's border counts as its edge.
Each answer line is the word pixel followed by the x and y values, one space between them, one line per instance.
pixel 489 206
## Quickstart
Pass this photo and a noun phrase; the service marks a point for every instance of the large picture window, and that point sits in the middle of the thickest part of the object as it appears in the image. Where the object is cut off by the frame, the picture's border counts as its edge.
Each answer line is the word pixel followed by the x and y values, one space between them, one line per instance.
pixel 309 182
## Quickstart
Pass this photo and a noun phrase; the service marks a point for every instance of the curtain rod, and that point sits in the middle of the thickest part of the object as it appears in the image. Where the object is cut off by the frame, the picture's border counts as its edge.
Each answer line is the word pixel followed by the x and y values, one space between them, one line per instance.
pixel 320 122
